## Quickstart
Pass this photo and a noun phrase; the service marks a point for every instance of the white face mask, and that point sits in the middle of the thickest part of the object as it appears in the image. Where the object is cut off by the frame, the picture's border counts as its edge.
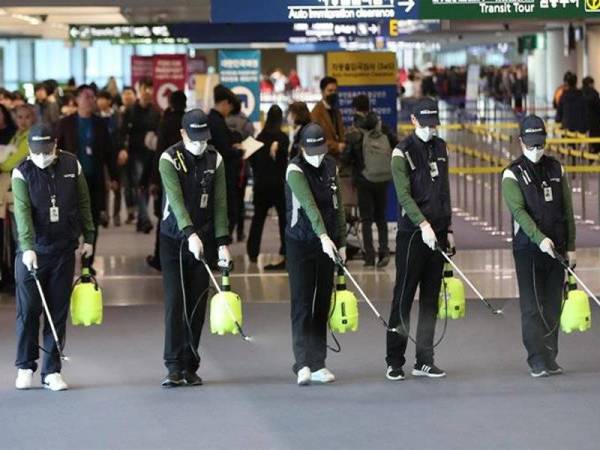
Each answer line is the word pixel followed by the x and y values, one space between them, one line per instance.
pixel 42 160
pixel 534 154
pixel 425 133
pixel 196 148
pixel 314 161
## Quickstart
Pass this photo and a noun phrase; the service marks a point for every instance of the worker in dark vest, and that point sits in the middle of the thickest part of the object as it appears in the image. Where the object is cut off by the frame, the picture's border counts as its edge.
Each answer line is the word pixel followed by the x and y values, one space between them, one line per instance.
pixel 194 226
pixel 536 190
pixel 315 237
pixel 52 210
pixel 420 173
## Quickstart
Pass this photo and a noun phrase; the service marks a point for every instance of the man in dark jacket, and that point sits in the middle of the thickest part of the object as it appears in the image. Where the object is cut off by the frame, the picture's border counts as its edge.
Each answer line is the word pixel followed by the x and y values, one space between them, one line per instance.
pixel 86 136
pixel 570 111
pixel 222 140
pixel 139 123
pixel 169 133
pixel 592 110
pixel 372 194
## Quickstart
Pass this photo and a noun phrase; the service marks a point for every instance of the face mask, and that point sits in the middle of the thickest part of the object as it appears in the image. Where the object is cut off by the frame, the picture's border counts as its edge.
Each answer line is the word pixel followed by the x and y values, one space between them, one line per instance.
pixel 332 100
pixel 425 133
pixel 196 148
pixel 534 154
pixel 314 161
pixel 42 160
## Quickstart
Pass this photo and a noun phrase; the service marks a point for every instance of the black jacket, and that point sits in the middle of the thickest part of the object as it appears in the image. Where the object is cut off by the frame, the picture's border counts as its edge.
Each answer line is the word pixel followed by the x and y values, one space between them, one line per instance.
pixel 222 140
pixel 571 111
pixel 592 108
pixel 353 153
pixel 269 173
pixel 138 121
pixel 169 134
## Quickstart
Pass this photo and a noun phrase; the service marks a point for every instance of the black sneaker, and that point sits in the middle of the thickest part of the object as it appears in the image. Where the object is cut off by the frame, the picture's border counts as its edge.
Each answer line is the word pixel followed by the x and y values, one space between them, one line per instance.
pixel 553 368
pixel 539 373
pixel 369 262
pixel 192 378
pixel 130 219
pixel 153 262
pixel 428 370
pixel 172 380
pixel 394 373
pixel 278 266
pixel 383 261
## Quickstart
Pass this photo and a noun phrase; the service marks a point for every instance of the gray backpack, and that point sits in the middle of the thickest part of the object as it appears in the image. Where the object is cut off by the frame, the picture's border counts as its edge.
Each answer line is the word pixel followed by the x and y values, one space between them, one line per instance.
pixel 377 155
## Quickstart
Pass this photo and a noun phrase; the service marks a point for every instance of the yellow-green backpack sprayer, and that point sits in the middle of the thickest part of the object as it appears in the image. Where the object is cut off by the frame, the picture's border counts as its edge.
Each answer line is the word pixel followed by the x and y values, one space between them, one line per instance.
pixel 343 314
pixel 86 298
pixel 576 314
pixel 225 307
pixel 451 303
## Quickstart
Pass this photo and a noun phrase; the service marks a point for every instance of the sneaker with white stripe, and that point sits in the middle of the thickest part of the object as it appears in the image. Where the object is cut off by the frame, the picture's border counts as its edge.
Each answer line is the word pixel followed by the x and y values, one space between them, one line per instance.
pixel 429 371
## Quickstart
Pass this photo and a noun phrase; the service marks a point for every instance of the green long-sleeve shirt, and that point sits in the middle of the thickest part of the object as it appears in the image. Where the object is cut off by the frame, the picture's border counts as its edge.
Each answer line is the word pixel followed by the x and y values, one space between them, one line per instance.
pixel 513 196
pixel 304 196
pixel 23 213
pixel 400 174
pixel 175 198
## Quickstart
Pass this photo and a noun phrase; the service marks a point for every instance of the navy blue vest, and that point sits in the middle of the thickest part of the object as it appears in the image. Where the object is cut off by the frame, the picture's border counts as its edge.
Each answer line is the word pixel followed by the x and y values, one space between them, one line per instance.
pixel 431 194
pixel 58 181
pixel 548 215
pixel 196 182
pixel 322 184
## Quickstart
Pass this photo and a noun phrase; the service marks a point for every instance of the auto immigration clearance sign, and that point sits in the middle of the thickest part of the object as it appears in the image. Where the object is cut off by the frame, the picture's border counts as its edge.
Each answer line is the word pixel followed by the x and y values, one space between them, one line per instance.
pixel 508 9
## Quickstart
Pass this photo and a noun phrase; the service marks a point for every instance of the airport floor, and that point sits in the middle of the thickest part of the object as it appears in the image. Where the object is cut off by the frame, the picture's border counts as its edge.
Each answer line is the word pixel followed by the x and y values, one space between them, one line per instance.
pixel 250 399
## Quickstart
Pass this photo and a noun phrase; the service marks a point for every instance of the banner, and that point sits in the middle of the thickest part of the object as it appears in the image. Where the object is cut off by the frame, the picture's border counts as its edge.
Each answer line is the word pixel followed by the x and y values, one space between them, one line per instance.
pixel 169 73
pixel 141 67
pixel 239 70
pixel 369 73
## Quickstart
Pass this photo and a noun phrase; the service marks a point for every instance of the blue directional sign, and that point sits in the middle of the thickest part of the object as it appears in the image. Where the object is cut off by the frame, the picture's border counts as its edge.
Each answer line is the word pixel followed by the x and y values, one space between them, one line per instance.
pixel 244 11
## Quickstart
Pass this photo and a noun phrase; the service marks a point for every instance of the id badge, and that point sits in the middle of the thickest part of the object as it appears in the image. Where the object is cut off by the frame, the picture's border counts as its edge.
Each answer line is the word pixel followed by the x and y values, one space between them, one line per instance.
pixel 54 215
pixel 548 194
pixel 335 201
pixel 204 201
pixel 88 150
pixel 433 169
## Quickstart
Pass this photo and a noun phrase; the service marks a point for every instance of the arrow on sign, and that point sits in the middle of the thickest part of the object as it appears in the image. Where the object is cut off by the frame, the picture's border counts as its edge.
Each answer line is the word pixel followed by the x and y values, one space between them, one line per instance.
pixel 408 4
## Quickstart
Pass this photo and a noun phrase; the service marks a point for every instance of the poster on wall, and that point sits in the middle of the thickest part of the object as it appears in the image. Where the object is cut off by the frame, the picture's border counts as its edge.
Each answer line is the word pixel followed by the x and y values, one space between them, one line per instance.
pixel 141 67
pixel 239 70
pixel 169 73
pixel 369 73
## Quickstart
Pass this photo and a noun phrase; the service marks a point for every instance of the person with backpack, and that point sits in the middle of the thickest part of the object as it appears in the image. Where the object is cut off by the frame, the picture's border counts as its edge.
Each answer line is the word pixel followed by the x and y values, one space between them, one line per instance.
pixel 368 151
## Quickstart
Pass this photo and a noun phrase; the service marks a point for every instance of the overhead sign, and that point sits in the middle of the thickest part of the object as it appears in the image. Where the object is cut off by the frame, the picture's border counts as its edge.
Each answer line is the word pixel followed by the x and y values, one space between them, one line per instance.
pixel 126 34
pixel 239 70
pixel 508 9
pixel 369 73
pixel 245 11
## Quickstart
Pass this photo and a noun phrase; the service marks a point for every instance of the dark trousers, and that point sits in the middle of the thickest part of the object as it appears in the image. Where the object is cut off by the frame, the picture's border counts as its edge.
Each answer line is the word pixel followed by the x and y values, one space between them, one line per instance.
pixel 263 201
pixel 241 210
pixel 139 166
pixel 178 355
pixel 311 283
pixel 56 276
pixel 372 202
pixel 233 205
pixel 97 189
pixel 424 269
pixel 124 189
pixel 548 282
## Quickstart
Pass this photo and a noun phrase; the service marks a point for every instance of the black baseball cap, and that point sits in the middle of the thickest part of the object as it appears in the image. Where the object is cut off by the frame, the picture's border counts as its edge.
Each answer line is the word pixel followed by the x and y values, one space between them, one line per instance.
pixel 533 131
pixel 41 138
pixel 312 140
pixel 427 113
pixel 195 123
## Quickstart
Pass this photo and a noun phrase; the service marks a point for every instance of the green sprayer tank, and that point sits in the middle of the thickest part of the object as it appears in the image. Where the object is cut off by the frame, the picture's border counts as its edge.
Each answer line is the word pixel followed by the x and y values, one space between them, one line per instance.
pixel 225 309
pixel 452 292
pixel 343 312
pixel 86 299
pixel 576 314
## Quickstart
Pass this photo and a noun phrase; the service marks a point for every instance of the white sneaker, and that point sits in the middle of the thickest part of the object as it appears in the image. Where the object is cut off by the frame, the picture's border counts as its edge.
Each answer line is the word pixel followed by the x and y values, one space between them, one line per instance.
pixel 322 376
pixel 304 376
pixel 24 379
pixel 55 382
